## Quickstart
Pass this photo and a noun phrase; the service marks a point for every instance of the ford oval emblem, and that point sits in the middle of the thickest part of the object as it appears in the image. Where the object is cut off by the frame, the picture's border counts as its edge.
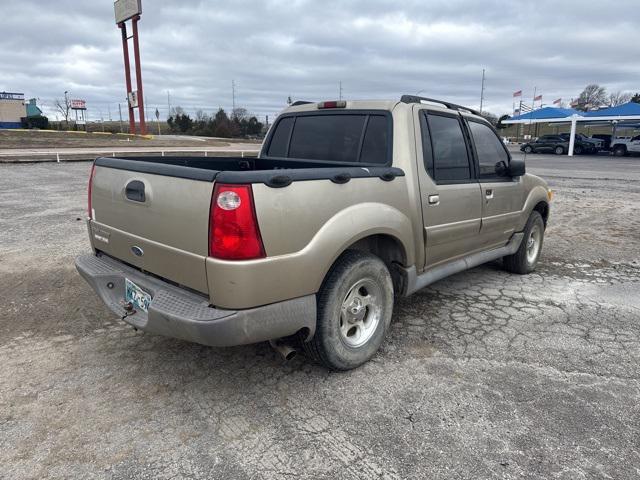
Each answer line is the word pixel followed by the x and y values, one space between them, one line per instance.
pixel 137 251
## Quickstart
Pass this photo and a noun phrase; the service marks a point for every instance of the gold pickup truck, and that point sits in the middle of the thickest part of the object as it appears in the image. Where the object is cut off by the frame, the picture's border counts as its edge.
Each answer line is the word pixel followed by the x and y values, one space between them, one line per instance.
pixel 348 205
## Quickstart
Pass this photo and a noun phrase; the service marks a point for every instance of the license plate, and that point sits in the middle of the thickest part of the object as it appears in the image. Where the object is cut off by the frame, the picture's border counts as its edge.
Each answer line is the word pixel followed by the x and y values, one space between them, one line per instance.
pixel 136 295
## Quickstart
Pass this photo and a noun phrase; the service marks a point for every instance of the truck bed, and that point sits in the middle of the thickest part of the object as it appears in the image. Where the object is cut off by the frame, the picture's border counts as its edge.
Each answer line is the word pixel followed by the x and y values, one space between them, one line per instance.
pixel 169 223
pixel 249 170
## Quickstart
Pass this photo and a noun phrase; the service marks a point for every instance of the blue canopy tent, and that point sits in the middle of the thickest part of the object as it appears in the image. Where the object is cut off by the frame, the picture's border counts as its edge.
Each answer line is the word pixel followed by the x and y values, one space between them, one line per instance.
pixel 625 112
pixel 545 113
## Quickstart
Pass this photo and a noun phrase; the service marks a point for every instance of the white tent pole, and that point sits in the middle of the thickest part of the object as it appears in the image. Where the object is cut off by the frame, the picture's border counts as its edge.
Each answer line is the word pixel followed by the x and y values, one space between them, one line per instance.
pixel 572 135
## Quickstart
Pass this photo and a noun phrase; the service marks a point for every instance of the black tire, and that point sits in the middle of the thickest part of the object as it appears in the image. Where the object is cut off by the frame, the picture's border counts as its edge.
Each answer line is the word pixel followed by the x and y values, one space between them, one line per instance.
pixel 558 150
pixel 521 262
pixel 330 345
pixel 578 150
pixel 619 151
pixel 528 149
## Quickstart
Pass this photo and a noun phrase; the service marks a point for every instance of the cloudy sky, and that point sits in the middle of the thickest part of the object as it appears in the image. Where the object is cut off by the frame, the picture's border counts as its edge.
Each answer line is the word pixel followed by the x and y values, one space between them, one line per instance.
pixel 273 49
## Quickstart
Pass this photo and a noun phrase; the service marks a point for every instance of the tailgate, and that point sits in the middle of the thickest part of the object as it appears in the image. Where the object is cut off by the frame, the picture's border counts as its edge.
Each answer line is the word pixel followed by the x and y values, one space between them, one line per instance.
pixel 157 223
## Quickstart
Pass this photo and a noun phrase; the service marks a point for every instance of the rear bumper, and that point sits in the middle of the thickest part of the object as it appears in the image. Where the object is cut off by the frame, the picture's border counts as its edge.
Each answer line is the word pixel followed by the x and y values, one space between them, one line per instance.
pixel 180 313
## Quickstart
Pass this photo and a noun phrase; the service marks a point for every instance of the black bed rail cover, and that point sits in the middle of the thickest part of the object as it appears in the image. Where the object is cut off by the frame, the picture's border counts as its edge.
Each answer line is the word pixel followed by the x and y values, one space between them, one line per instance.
pixel 183 167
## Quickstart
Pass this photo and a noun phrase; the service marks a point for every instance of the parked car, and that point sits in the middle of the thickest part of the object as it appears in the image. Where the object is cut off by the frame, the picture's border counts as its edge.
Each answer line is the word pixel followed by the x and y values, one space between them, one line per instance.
pixel 596 142
pixel 349 205
pixel 606 140
pixel 556 144
pixel 622 146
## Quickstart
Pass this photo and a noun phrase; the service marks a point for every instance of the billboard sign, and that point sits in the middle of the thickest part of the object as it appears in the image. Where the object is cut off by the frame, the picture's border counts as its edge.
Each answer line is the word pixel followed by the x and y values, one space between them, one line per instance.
pixel 11 96
pixel 77 104
pixel 126 9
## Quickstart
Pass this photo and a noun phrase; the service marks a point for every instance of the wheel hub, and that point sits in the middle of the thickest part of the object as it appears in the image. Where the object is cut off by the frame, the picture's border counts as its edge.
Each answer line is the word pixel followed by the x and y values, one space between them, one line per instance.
pixel 360 312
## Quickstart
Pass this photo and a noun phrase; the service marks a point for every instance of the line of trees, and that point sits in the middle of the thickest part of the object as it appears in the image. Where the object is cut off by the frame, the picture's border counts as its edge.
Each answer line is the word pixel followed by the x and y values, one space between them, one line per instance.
pixel 595 96
pixel 241 124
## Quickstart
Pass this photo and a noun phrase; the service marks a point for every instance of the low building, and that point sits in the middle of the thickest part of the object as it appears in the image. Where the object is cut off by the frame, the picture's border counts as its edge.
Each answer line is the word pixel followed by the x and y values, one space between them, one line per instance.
pixel 12 109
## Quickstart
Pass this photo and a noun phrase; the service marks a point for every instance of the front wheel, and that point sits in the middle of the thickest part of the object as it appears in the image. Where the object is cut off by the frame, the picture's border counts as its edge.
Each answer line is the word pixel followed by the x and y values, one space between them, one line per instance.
pixel 526 257
pixel 559 151
pixel 355 304
pixel 620 151
pixel 528 149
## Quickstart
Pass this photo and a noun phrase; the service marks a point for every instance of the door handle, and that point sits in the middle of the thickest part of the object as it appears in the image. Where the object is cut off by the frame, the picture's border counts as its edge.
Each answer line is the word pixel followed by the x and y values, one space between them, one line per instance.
pixel 434 200
pixel 135 191
pixel 488 193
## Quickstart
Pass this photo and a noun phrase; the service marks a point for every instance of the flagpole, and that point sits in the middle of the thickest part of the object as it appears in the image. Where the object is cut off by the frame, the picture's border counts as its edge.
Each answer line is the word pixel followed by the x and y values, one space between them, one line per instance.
pixel 533 104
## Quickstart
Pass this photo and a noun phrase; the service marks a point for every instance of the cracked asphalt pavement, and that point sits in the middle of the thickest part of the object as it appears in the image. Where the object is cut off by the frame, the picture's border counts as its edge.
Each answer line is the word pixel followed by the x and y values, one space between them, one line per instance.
pixel 484 375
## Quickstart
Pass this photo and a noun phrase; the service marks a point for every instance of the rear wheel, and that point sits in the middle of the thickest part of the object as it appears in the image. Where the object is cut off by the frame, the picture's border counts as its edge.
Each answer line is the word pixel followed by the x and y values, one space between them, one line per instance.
pixel 528 149
pixel 355 304
pixel 619 150
pixel 559 150
pixel 526 257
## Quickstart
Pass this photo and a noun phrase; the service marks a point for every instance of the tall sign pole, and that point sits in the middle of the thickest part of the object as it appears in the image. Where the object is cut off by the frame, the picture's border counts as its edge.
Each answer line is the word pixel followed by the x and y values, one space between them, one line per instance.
pixel 131 10
pixel 127 76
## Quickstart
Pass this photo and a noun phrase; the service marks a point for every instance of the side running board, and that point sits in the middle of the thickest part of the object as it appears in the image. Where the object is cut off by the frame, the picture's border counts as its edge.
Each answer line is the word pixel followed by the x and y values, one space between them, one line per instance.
pixel 414 282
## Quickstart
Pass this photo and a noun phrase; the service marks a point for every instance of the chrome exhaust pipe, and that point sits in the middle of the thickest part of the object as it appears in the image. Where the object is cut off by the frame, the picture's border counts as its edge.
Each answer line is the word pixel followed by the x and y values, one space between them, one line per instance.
pixel 285 351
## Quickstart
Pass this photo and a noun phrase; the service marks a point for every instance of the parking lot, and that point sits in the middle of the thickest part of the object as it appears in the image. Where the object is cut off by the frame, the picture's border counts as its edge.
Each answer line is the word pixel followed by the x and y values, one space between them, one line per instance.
pixel 484 375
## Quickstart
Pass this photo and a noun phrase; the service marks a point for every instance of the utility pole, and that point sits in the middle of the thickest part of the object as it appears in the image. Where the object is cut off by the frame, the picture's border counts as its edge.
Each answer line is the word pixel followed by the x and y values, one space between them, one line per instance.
pixel 120 112
pixel 66 108
pixel 233 98
pixel 340 90
pixel 169 103
pixel 482 92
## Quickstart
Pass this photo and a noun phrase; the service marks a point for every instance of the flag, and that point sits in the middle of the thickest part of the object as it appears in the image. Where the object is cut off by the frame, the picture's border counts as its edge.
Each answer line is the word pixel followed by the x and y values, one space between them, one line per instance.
pixel 517 94
pixel 557 101
pixel 539 97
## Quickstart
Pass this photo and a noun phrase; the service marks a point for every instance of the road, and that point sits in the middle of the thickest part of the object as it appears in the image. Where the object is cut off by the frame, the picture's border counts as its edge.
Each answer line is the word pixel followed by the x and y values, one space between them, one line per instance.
pixel 484 375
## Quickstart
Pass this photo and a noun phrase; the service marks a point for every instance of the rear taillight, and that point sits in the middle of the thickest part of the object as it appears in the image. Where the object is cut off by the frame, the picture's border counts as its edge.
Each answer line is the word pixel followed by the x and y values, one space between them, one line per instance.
pixel 233 225
pixel 332 104
pixel 89 190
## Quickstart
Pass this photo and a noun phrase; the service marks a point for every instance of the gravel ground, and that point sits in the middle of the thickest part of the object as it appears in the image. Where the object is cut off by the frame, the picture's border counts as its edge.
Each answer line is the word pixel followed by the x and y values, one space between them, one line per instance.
pixel 484 374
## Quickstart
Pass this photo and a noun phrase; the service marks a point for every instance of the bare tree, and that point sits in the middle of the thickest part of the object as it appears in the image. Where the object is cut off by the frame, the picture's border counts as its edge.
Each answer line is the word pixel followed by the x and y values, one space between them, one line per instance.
pixel 239 113
pixel 63 107
pixel 201 116
pixel 593 96
pixel 618 98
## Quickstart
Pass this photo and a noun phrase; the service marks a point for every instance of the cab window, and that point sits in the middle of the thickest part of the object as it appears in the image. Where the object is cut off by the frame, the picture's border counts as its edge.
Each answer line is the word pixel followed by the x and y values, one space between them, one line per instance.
pixel 489 149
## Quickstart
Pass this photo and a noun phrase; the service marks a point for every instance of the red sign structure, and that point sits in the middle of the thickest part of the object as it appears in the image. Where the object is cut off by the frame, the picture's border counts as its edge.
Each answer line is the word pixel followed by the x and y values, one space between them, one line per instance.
pixel 131 10
pixel 77 104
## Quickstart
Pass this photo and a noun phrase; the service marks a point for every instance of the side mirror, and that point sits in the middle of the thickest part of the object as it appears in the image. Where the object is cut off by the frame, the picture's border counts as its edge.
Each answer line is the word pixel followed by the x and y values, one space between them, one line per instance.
pixel 502 170
pixel 516 167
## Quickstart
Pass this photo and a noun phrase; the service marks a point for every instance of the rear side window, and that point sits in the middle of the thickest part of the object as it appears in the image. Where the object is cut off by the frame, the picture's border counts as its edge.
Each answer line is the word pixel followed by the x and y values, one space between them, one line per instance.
pixel 450 156
pixel 351 138
pixel 280 138
pixel 376 142
pixel 488 147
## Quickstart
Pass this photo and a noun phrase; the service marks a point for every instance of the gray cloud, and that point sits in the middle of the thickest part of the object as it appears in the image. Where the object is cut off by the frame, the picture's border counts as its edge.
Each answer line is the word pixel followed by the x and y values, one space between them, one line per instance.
pixel 378 49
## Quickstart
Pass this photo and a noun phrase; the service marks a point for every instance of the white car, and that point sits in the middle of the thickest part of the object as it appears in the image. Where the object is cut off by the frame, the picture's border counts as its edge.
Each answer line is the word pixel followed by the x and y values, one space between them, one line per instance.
pixel 621 146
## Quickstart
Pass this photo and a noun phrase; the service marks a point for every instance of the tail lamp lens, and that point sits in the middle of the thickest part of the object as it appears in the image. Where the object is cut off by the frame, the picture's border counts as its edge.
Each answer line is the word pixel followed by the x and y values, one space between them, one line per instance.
pixel 233 225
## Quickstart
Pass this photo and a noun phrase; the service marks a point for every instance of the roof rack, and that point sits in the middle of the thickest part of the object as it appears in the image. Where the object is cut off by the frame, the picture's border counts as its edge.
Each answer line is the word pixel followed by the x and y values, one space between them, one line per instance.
pixel 300 102
pixel 452 106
